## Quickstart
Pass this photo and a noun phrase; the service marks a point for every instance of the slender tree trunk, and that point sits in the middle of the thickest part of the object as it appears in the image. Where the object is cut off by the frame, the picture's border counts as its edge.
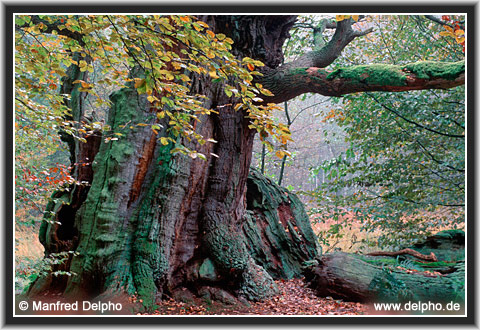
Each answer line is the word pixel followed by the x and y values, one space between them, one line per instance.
pixel 284 158
pixel 262 166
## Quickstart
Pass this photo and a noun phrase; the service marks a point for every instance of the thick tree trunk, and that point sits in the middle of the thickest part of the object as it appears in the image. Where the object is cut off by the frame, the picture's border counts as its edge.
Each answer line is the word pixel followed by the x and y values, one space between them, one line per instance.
pixel 154 223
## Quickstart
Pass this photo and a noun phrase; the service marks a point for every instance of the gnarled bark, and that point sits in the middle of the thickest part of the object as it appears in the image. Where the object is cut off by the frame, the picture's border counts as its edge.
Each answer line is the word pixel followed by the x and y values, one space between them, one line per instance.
pixel 154 223
pixel 277 229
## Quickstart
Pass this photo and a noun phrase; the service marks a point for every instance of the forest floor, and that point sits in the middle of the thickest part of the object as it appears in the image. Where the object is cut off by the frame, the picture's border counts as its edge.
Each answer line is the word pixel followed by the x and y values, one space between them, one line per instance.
pixel 294 298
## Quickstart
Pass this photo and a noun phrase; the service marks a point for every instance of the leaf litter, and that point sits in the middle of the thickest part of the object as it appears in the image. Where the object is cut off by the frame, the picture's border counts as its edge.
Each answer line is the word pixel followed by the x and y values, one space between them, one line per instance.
pixel 294 298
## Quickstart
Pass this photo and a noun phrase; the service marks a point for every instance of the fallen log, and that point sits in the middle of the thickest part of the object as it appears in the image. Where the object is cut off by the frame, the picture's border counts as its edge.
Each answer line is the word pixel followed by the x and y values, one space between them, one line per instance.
pixel 416 254
pixel 354 277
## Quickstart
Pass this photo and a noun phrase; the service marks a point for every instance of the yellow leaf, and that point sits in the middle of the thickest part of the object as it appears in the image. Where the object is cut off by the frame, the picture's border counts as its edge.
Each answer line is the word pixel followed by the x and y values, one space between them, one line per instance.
pixel 459 32
pixel 184 78
pixel 205 25
pixel 176 65
pixel 340 18
pixel 355 17
pixel 213 74
pixel 139 82
pixel 152 99
pixel 164 141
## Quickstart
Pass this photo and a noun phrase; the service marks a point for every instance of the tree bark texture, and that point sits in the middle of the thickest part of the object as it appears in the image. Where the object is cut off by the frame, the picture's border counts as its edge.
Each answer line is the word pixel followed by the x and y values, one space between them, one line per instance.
pixel 152 222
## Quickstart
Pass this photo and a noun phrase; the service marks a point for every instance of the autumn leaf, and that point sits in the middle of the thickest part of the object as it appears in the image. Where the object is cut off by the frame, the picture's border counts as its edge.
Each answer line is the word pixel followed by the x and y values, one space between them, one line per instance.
pixel 139 82
pixel 164 141
pixel 213 74
pixel 210 33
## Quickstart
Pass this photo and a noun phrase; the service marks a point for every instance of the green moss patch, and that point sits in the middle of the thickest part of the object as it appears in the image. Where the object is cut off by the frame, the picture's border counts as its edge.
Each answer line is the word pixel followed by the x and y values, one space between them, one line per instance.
pixel 374 74
pixel 430 69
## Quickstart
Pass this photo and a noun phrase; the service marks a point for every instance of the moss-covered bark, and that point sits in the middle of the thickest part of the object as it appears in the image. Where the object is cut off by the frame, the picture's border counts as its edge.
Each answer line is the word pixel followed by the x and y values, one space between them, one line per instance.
pixel 286 84
pixel 154 223
pixel 277 229
pixel 366 278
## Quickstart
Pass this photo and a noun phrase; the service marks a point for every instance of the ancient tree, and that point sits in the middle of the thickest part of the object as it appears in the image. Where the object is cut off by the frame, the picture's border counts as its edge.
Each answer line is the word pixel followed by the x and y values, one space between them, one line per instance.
pixel 152 221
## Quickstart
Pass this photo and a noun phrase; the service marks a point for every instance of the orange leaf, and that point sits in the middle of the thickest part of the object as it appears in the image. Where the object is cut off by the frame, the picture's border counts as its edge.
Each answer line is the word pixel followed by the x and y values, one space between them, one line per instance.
pixel 211 34
pixel 251 66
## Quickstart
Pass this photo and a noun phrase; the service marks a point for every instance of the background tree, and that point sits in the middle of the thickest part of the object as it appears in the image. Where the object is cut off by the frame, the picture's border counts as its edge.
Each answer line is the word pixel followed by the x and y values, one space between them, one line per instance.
pixel 163 180
pixel 404 170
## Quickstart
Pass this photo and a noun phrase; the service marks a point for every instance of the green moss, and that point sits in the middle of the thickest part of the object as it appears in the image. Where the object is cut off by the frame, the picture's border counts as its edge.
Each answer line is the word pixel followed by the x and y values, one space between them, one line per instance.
pixel 381 261
pixel 279 250
pixel 150 264
pixel 374 74
pixel 436 264
pixel 395 75
pixel 257 284
pixel 430 69
pixel 451 234
pixel 144 283
pixel 106 241
pixel 207 270
pixel 226 248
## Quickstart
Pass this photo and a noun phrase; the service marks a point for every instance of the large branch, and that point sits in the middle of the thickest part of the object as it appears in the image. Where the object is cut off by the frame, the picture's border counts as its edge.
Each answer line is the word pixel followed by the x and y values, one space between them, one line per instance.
pixel 344 34
pixel 287 84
